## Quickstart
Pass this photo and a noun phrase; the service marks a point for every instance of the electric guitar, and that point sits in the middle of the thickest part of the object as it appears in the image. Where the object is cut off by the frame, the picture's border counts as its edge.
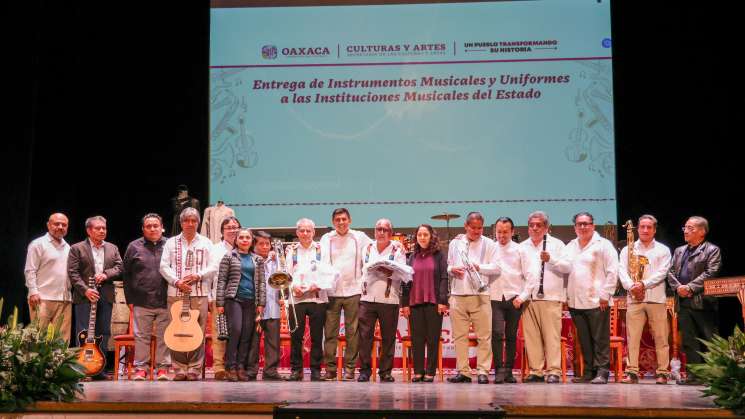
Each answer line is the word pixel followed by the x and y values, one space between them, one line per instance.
pixel 184 334
pixel 90 356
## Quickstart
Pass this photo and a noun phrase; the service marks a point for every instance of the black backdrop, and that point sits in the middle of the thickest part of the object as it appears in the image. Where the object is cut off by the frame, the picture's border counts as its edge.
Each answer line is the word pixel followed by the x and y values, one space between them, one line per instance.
pixel 109 112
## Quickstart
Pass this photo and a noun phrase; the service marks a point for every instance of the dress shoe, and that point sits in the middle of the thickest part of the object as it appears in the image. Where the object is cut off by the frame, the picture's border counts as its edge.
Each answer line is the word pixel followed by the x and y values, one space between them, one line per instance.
pixel 553 379
pixel 417 378
pixel 363 378
pixel 483 379
pixel 689 381
pixel 600 379
pixel 295 376
pixel 428 378
pixel 661 379
pixel 250 377
pixel 582 380
pixel 162 375
pixel 220 375
pixel 348 375
pixel 180 376
pixel 272 377
pixel 241 374
pixel 315 376
pixel 460 378
pixel 387 378
pixel 630 378
pixel 533 378
pixel 329 376
pixel 140 375
pixel 192 376
pixel 232 375
pixel 510 379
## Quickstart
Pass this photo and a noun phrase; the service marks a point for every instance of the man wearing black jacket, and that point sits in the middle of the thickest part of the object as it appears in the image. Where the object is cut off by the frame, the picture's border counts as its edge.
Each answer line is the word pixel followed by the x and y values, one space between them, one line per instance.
pixel 146 290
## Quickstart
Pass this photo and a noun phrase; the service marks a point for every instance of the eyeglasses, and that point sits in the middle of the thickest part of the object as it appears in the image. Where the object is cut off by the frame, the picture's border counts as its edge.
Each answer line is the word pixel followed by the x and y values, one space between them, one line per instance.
pixel 688 229
pixel 382 229
pixel 582 225
pixel 535 225
pixel 232 228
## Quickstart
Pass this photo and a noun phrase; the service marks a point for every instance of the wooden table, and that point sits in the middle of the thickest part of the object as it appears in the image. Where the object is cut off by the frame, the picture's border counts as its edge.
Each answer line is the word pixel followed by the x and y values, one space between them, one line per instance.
pixel 727 287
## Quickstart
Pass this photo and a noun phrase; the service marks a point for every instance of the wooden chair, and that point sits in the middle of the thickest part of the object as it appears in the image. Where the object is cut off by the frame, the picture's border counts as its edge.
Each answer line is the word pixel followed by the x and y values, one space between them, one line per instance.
pixel 207 342
pixel 127 342
pixel 341 346
pixel 407 360
pixel 524 359
pixel 285 337
pixel 377 340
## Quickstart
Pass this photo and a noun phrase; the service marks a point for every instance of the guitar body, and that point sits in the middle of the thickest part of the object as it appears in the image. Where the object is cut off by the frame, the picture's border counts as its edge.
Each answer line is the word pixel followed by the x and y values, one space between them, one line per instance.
pixel 90 356
pixel 183 334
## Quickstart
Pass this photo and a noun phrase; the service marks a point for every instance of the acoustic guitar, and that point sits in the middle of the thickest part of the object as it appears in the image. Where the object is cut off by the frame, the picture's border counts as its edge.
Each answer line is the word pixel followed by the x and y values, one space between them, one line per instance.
pixel 184 334
pixel 90 356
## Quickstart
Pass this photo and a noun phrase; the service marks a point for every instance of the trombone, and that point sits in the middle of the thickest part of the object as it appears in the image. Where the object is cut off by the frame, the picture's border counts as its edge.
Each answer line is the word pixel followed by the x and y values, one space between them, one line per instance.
pixel 281 280
pixel 477 281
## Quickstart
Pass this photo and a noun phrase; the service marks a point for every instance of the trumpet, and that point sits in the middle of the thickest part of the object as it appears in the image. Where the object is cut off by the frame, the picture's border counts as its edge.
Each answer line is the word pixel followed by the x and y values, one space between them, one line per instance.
pixel 281 280
pixel 477 281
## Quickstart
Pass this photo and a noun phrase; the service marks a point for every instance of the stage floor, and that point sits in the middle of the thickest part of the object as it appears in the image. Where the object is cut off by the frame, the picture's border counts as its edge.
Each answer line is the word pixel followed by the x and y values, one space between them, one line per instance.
pixel 260 398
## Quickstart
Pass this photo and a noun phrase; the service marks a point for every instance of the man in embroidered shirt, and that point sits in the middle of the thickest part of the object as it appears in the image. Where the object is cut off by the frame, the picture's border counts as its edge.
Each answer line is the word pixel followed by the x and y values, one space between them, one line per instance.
pixel 186 266
pixel 468 304
pixel 592 264
pixel 646 299
pixel 507 293
pixel 303 262
pixel 49 298
pixel 542 317
pixel 342 248
pixel 381 290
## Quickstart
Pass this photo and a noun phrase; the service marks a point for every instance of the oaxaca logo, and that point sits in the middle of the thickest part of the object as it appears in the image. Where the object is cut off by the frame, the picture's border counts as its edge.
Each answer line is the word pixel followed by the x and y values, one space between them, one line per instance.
pixel 306 52
pixel 269 52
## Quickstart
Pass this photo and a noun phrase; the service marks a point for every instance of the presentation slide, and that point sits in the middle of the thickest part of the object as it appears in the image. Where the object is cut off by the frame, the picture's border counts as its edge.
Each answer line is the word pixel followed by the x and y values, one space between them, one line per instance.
pixel 404 111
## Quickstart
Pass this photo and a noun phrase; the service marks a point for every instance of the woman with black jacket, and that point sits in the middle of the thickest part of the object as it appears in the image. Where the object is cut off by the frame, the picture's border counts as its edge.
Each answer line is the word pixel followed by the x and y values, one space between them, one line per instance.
pixel 425 300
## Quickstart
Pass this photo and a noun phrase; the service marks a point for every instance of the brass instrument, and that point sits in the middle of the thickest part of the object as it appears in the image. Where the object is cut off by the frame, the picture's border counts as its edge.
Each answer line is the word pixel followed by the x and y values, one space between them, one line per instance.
pixel 636 263
pixel 281 280
pixel 477 281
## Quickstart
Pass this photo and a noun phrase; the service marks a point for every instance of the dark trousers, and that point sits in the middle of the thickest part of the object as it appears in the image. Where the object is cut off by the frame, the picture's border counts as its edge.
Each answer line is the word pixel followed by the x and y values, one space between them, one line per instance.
pixel 505 319
pixel 426 326
pixel 695 324
pixel 103 325
pixel 593 328
pixel 387 315
pixel 270 331
pixel 241 317
pixel 316 314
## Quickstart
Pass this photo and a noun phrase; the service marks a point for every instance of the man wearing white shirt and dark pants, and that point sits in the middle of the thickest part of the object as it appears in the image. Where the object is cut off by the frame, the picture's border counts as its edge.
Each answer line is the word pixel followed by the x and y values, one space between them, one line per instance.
pixel 186 265
pixel 49 295
pixel 468 304
pixel 592 264
pixel 342 249
pixel 381 293
pixel 542 317
pixel 646 299
pixel 303 259
pixel 507 296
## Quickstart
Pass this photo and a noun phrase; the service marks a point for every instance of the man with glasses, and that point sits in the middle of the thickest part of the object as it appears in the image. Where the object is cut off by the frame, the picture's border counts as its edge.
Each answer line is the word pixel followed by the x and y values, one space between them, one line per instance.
pixel 381 290
pixel 692 263
pixel 592 264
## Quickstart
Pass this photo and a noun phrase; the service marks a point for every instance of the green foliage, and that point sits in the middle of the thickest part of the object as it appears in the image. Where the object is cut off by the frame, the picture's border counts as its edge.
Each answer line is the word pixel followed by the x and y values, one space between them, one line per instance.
pixel 723 371
pixel 36 365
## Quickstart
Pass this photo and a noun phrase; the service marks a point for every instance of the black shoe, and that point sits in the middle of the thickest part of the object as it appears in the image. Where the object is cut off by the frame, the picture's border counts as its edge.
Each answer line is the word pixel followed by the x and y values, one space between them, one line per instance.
pixel 460 378
pixel 349 375
pixel 510 379
pixel 295 376
pixel 582 380
pixel 330 376
pixel 316 377
pixel 483 379
pixel 250 378
pixel 417 378
pixel 363 378
pixel 553 379
pixel 532 378
pixel 272 377
pixel 387 378
pixel 428 378
pixel 689 381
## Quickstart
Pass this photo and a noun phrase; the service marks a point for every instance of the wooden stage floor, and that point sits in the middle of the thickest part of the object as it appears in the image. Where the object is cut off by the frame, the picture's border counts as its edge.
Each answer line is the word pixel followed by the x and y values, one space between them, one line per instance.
pixel 145 399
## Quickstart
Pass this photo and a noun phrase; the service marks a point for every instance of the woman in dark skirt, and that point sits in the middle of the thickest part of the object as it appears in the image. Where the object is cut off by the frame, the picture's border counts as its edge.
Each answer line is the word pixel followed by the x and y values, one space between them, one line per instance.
pixel 425 300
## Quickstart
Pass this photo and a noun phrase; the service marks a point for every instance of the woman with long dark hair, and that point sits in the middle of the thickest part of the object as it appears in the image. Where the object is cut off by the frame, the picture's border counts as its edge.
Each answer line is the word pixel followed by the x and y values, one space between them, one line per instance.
pixel 425 300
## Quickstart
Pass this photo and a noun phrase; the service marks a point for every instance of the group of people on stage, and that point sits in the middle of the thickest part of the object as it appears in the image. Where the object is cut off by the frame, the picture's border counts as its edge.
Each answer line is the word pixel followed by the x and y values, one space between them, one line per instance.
pixel 485 285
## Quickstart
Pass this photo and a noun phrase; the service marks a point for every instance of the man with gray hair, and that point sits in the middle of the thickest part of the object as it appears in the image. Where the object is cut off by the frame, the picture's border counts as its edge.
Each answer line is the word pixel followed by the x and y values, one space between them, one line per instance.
pixel 186 266
pixel 692 263
pixel 97 260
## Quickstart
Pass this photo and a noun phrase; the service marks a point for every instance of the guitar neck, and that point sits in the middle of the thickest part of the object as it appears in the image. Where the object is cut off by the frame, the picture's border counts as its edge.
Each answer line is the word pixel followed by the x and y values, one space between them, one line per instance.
pixel 91 338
